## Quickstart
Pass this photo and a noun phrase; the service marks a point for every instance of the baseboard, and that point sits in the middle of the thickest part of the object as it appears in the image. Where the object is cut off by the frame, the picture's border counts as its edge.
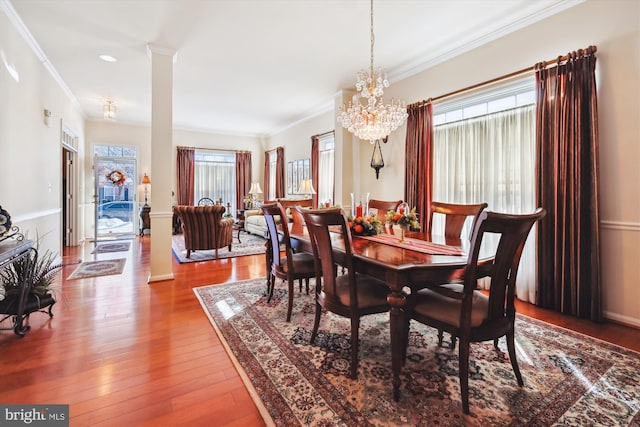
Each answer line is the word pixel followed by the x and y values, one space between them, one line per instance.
pixel 621 319
pixel 160 278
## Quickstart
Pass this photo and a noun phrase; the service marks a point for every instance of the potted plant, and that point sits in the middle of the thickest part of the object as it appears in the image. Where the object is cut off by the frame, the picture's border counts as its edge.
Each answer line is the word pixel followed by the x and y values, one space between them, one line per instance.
pixel 38 273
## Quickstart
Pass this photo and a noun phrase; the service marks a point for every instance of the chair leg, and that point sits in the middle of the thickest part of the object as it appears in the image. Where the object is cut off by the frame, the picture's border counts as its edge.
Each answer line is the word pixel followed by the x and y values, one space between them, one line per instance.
pixel 300 285
pixel 495 343
pixel 355 326
pixel 316 323
pixel 440 337
pixel 512 356
pixel 290 305
pixel 188 253
pixel 306 281
pixel 452 343
pixel 463 367
pixel 272 281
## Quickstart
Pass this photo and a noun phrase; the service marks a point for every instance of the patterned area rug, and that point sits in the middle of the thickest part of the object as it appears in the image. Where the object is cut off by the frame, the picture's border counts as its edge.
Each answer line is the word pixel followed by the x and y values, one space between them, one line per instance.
pixel 98 268
pixel 251 245
pixel 111 247
pixel 570 379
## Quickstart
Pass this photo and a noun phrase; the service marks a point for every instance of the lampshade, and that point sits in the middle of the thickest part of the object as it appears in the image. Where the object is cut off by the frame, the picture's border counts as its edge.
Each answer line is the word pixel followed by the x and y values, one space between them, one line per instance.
pixel 255 188
pixel 145 179
pixel 306 187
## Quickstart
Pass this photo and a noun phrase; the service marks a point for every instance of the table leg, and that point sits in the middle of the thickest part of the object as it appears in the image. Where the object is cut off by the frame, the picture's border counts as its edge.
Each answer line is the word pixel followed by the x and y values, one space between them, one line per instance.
pixel 397 300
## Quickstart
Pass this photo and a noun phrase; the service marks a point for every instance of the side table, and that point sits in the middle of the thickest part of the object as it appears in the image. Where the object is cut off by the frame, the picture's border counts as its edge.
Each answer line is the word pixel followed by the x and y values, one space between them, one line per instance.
pixel 145 220
pixel 239 222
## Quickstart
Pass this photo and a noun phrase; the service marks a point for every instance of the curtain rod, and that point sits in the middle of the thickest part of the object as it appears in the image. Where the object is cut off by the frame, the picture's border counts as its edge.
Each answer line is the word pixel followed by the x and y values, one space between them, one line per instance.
pixel 588 51
pixel 214 149
pixel 320 135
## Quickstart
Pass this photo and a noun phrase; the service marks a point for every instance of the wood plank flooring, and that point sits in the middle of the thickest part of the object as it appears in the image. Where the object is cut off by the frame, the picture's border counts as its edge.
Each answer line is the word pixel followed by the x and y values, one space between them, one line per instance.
pixel 120 351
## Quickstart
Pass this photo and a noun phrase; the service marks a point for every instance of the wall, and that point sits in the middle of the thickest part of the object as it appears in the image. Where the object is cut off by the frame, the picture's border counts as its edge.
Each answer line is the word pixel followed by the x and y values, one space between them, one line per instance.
pixel 614 27
pixel 30 151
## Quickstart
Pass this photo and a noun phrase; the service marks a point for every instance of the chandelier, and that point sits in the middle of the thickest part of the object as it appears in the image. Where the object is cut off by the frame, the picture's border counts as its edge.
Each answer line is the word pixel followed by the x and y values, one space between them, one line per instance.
pixel 109 110
pixel 373 120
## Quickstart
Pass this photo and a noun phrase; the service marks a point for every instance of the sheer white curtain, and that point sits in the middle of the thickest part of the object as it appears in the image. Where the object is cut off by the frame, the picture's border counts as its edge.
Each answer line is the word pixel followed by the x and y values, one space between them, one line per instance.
pixel 325 176
pixel 215 179
pixel 490 159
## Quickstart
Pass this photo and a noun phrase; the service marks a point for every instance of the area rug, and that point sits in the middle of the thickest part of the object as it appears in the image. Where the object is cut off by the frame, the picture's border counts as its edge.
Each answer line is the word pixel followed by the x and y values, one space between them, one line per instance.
pixel 570 378
pixel 111 247
pixel 98 268
pixel 251 245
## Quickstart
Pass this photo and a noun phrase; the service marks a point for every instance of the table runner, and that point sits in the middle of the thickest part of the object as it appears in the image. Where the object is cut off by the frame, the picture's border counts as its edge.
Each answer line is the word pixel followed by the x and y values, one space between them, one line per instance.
pixel 416 245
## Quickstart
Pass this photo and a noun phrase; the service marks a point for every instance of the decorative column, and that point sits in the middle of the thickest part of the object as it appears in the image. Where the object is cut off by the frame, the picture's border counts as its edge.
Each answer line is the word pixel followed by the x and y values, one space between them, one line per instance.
pixel 162 60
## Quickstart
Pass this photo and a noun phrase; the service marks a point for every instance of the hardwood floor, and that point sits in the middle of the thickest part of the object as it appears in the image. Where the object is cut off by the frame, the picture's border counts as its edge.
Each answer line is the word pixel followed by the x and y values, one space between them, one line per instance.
pixel 122 352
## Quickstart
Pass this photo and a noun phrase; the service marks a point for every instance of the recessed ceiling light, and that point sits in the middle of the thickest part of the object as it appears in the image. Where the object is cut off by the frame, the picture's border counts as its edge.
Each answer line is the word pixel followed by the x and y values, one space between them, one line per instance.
pixel 108 58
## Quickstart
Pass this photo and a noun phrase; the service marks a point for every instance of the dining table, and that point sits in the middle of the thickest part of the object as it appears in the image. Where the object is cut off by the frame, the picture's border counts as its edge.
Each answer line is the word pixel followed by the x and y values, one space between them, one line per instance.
pixel 420 261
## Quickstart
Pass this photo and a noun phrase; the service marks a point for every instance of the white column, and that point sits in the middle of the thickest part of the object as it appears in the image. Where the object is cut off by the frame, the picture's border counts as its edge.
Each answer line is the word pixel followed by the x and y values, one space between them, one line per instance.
pixel 161 215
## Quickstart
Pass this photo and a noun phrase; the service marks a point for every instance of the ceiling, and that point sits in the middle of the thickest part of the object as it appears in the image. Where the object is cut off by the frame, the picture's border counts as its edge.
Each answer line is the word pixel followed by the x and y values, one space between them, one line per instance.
pixel 253 67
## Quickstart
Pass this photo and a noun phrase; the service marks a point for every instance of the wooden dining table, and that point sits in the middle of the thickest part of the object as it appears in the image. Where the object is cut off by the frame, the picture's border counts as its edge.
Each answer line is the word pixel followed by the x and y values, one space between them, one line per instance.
pixel 404 267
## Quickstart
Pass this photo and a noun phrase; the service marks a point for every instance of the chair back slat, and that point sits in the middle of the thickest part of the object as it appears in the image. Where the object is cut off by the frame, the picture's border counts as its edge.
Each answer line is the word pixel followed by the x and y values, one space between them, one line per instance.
pixel 274 214
pixel 455 216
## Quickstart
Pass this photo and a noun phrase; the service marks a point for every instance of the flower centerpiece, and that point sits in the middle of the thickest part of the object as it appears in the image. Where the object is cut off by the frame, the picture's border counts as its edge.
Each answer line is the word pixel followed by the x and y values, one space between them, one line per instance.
pixel 404 218
pixel 117 177
pixel 365 225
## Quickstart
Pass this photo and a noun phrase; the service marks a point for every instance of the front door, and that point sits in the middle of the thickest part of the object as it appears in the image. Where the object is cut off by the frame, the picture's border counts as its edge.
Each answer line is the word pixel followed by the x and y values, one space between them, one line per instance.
pixel 116 213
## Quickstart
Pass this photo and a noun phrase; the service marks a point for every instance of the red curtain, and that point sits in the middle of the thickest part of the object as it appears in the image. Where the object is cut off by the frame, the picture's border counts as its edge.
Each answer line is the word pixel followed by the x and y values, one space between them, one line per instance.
pixel 315 155
pixel 280 189
pixel 267 172
pixel 185 172
pixel 567 173
pixel 418 175
pixel 243 177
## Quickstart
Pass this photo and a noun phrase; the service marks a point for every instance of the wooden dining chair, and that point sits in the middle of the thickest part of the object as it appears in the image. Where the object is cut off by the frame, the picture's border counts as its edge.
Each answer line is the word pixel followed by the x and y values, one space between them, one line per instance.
pixel 382 207
pixel 351 294
pixel 292 266
pixel 469 314
pixel 455 216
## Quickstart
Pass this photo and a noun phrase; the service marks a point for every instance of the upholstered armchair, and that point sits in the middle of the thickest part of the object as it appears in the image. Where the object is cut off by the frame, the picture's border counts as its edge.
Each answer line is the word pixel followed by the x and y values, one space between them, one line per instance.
pixel 204 228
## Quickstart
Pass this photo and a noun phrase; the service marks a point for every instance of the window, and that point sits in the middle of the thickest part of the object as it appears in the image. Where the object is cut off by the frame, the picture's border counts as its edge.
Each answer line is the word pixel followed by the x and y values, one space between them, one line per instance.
pixel 215 176
pixel 326 166
pixel 484 151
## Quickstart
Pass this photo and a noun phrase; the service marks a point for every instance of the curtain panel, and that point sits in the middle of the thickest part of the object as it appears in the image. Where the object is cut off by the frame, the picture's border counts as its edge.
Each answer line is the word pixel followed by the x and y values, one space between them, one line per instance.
pixel 267 174
pixel 490 159
pixel 568 174
pixel 185 172
pixel 315 155
pixel 280 184
pixel 418 192
pixel 243 176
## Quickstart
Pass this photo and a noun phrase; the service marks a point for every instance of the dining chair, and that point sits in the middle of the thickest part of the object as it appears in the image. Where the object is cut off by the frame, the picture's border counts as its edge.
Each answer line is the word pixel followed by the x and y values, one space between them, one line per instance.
pixel 470 314
pixel 292 266
pixel 383 206
pixel 351 294
pixel 455 216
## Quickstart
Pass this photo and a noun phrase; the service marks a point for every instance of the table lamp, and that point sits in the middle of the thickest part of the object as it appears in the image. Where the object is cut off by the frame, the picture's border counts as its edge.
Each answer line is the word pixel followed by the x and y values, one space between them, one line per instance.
pixel 254 191
pixel 146 181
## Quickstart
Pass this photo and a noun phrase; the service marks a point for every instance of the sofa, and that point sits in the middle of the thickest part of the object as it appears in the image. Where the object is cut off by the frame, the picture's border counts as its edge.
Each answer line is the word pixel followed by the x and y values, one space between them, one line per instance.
pixel 255 223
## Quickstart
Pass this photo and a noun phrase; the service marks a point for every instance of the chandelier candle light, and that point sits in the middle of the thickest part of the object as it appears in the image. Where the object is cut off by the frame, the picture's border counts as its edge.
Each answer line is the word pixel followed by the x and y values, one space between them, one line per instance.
pixel 375 120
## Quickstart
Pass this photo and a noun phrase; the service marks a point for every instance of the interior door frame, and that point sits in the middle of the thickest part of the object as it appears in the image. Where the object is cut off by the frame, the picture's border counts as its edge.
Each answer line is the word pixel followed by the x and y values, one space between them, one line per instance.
pixel 69 176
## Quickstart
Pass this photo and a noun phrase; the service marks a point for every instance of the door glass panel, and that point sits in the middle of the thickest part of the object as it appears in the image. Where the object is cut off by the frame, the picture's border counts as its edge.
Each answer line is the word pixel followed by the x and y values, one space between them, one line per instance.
pixel 116 194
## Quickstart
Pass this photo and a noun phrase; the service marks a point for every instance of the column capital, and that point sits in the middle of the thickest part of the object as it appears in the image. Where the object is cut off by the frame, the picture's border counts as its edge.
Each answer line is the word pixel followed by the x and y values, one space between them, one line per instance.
pixel 160 50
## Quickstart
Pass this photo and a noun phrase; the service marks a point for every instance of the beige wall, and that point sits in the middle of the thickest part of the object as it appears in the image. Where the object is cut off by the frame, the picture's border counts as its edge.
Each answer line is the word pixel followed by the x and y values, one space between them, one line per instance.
pixel 614 27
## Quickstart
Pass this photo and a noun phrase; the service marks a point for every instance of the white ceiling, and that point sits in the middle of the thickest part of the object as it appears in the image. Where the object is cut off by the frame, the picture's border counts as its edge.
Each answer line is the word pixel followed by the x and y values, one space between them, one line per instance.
pixel 254 67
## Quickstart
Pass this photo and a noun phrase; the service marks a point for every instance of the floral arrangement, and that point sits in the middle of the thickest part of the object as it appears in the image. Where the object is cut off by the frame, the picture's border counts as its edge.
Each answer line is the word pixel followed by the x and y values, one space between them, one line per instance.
pixel 403 218
pixel 117 177
pixel 365 225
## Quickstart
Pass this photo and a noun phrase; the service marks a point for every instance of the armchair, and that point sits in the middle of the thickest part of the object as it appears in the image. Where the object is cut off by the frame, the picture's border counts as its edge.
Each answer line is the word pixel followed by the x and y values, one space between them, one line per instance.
pixel 204 228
